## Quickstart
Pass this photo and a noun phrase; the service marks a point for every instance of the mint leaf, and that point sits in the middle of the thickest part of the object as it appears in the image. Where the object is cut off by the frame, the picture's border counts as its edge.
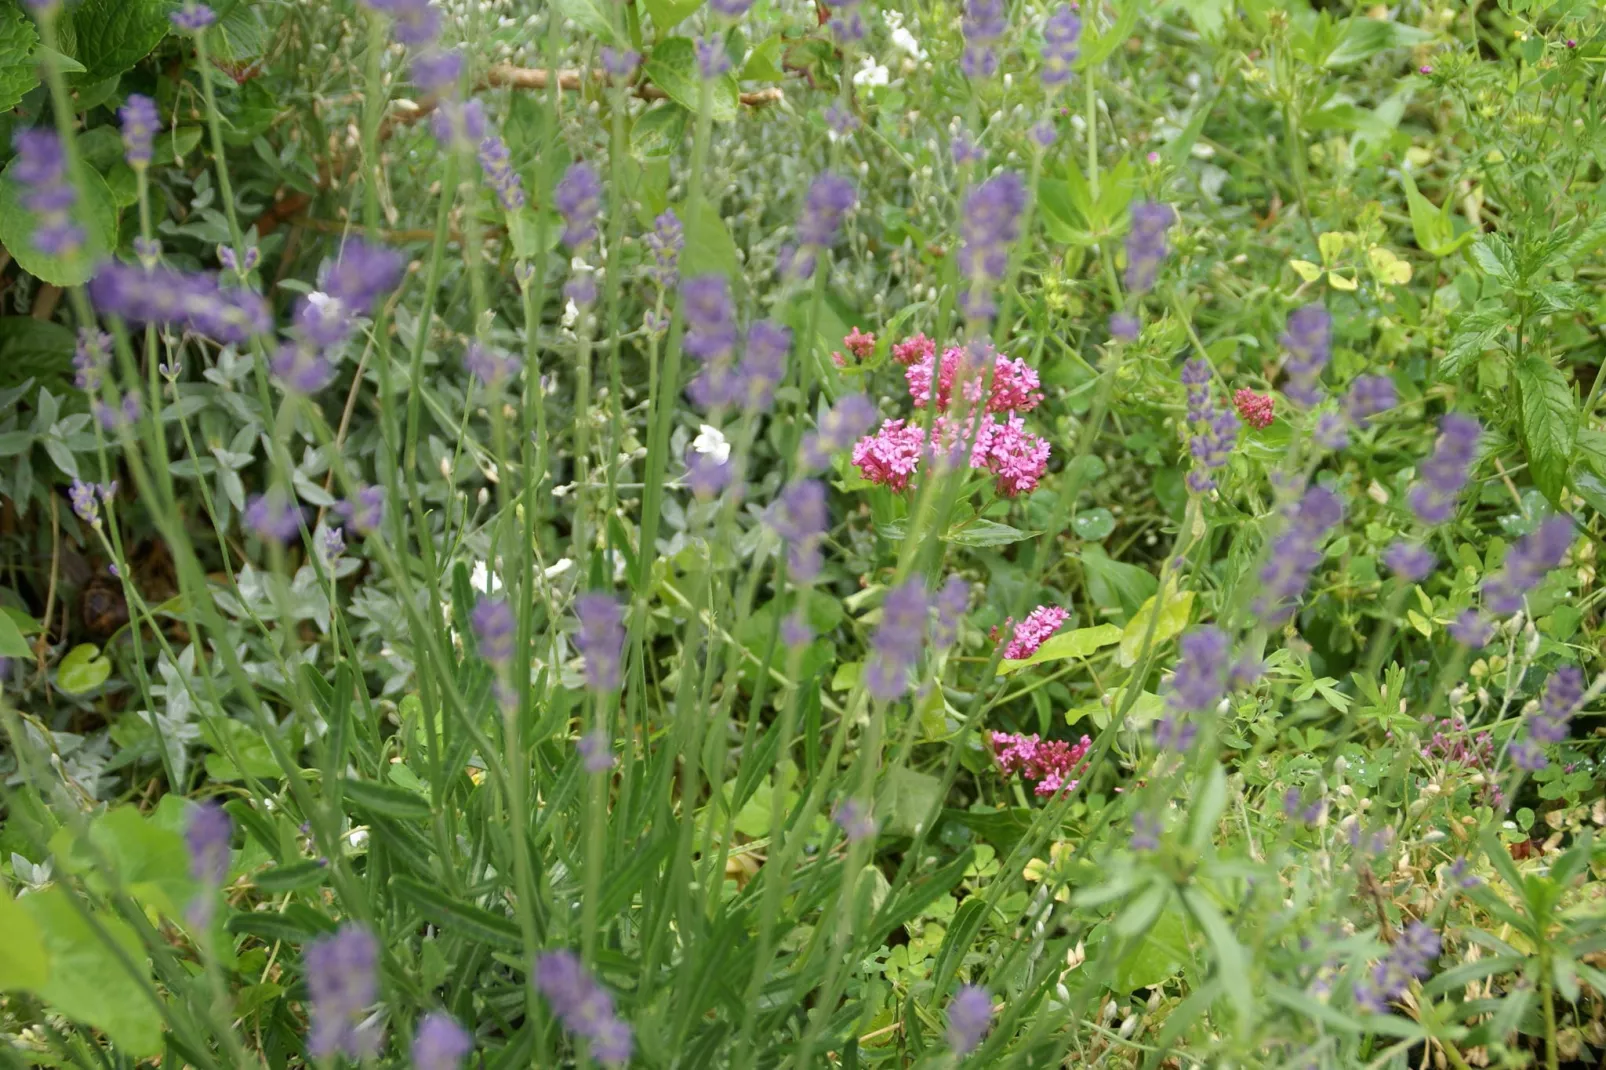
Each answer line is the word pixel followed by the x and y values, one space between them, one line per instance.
pixel 19 42
pixel 1549 424
pixel 94 212
pixel 113 35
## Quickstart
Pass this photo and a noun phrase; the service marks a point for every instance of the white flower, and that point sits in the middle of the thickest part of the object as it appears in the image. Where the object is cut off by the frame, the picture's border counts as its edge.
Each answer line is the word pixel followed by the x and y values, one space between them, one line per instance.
pixel 571 314
pixel 906 41
pixel 710 442
pixel 870 73
pixel 482 580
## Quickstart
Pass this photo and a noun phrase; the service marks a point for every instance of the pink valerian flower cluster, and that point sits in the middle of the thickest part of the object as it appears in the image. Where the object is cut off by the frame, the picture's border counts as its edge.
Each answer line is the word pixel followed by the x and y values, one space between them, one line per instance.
pixel 999 443
pixel 1029 634
pixel 1257 410
pixel 1050 763
pixel 1014 386
pixel 861 345
pixel 1452 742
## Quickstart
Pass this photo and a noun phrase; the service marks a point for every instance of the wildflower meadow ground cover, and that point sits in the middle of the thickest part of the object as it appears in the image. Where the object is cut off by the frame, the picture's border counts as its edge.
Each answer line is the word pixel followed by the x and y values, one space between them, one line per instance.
pixel 766 533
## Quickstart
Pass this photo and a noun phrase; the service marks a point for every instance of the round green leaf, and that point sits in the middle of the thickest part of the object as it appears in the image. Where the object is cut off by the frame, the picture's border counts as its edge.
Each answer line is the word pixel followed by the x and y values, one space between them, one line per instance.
pixel 94 211
pixel 1094 524
pixel 83 669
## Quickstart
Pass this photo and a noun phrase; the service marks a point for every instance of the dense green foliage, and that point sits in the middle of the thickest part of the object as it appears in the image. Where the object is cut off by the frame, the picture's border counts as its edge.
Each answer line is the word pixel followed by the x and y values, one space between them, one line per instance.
pixel 1371 844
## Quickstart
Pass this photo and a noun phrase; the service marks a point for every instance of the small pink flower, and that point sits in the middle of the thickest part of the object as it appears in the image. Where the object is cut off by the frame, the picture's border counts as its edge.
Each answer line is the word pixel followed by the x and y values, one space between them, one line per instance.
pixel 914 350
pixel 1014 387
pixel 1049 763
pixel 1017 457
pixel 1029 634
pixel 891 455
pixel 1256 409
pixel 859 344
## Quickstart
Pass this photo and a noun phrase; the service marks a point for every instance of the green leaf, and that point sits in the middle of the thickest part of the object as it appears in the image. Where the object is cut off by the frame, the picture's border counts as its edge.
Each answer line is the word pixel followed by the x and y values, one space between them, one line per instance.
pixel 88 982
pixel 64 63
pixel 83 669
pixel 457 916
pixel 1208 16
pixel 1094 524
pixel 1435 235
pixel 293 877
pixel 1207 809
pixel 22 952
pixel 1474 335
pixel 386 800
pixel 1073 644
pixel 1157 958
pixel 1549 424
pixel 764 61
pixel 1493 255
pixel 1174 616
pixel 673 68
pixel 1113 584
pixel 113 35
pixel 19 44
pixel 659 131
pixel 12 642
pixel 709 248
pixel 1141 912
pixel 1096 48
pixel 1232 965
pixel 987 533
pixel 94 211
pixel 667 14
pixel 905 798
pixel 1364 38
pixel 592 17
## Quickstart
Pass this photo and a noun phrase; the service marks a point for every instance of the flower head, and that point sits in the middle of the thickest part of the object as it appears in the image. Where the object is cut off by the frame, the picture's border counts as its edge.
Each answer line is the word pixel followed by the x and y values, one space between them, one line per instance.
pixel 619 62
pixel 1050 764
pixel 855 820
pixel 193 17
pixel 839 428
pixel 196 302
pixel 274 516
pixel 890 456
pixel 1257 410
pixel 1409 560
pixel 41 170
pixel 1309 342
pixel 489 366
pixel 438 71
pixel 140 122
pixel 578 198
pixel 897 642
pixel 1434 495
pixel 1369 395
pixel 988 227
pixel 664 243
pixel 1029 634
pixel 1471 630
pixel 206 837
pixel 415 21
pixel 983 25
pixel 712 59
pixel 1201 676
pixel 1124 327
pixel 1526 564
pixel 1062 32
pixel 800 517
pixel 494 628
pixel 1296 552
pixel 365 510
pixel 497 163
pixel 596 752
pixel 950 604
pixel 584 1007
pixel 830 198
pixel 440 1044
pixel 600 638
pixel 342 984
pixel 970 1012
pixel 1146 245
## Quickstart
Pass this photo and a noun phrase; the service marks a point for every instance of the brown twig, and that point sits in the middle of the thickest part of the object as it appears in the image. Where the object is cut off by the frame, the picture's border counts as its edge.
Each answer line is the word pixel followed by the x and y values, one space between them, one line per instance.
pixel 506 74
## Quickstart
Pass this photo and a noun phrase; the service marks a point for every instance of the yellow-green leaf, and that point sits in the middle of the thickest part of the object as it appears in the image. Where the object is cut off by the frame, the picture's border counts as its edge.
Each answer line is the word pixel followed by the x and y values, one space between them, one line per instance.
pixel 88 981
pixel 1388 268
pixel 83 669
pixel 1306 270
pixel 1073 644
pixel 22 952
pixel 1341 282
pixel 1174 615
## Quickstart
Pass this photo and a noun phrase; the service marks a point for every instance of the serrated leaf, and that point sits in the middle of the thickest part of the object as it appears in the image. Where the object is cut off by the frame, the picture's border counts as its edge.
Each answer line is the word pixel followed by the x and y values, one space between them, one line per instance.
pixel 1549 424
pixel 1073 644
pixel 19 44
pixel 113 35
pixel 673 68
pixel 1475 333
pixel 94 212
pixel 1174 616
pixel 82 670
pixel 1493 255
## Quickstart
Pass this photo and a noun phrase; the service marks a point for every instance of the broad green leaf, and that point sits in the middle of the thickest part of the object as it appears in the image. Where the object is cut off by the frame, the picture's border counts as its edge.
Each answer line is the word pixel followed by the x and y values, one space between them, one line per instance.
pixel 88 982
pixel 673 68
pixel 1477 333
pixel 64 63
pixel 113 35
pixel 1434 233
pixel 1147 708
pixel 1096 48
pixel 94 212
pixel 660 130
pixel 987 533
pixel 19 45
pixel 1365 37
pixel 667 14
pixel 592 17
pixel 1073 644
pixel 83 669
pixel 709 248
pixel 22 953
pixel 764 61
pixel 1094 524
pixel 1175 613
pixel 243 740
pixel 12 642
pixel 1493 255
pixel 1115 584
pixel 1208 15
pixel 905 799
pixel 1158 957
pixel 1549 424
pixel 1141 912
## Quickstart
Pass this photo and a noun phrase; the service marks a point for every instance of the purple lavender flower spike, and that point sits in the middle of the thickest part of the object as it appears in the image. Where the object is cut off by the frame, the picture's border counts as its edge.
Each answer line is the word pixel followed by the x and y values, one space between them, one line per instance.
pixel 596 752
pixel 1471 630
pixel 601 639
pixel 1433 496
pixel 989 227
pixel 1061 34
pixel 1412 957
pixel 365 511
pixel 140 122
pixel 970 1012
pixel 795 630
pixel 799 516
pixel 731 9
pixel 897 642
pixel 415 21
pixel 438 72
pixel 1296 553
pixel 490 367
pixel 763 364
pixel 984 24
pixel 1124 327
pixel 197 302
pixel 206 837
pixel 301 369
pixel 41 170
pixel 839 429
pixel 1526 564
pixel 440 1044
pixel 620 62
pixel 1145 833
pixel 950 603
pixel 90 358
pixel 855 820
pixel 830 198
pixel 664 243
pixel 1331 432
pixel 342 983
pixel 193 17
pixel 578 198
pixel 1201 676
pixel 1309 341
pixel 1368 396
pixel 1146 247
pixel 584 1007
pixel 494 628
pixel 497 163
pixel 1408 560
pixel 712 59
pixel 274 516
